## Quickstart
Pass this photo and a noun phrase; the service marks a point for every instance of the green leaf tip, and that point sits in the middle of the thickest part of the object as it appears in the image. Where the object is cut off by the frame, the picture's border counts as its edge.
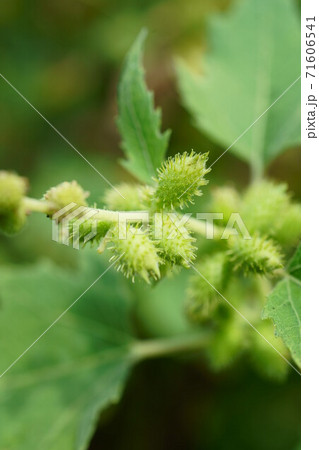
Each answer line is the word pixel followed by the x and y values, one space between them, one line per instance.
pixel 12 189
pixel 138 121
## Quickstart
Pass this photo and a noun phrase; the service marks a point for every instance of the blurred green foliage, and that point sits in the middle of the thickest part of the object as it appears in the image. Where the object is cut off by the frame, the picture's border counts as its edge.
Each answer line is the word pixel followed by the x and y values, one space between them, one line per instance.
pixel 243 75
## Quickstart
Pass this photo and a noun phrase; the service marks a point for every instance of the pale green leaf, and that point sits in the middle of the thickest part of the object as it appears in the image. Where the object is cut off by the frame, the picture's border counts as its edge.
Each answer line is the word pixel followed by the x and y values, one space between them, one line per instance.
pixel 252 58
pixel 52 397
pixel 284 308
pixel 138 121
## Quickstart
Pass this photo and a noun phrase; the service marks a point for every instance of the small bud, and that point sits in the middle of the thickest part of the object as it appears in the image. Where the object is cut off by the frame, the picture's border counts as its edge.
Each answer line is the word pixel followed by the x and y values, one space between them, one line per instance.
pixel 202 298
pixel 137 254
pixel 66 193
pixel 225 200
pixel 12 190
pixel 180 178
pixel 175 245
pixel 136 197
pixel 257 255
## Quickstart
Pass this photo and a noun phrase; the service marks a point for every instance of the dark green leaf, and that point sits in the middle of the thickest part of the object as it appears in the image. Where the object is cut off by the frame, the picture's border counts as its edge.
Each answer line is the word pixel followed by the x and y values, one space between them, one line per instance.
pixel 284 308
pixel 139 123
pixel 52 397
pixel 252 58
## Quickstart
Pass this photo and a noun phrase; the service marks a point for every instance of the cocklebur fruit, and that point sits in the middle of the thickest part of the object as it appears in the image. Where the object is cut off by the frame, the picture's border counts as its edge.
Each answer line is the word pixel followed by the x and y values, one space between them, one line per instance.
pixel 12 190
pixel 12 211
pixel 202 296
pixel 228 342
pixel 174 242
pixel 180 178
pixel 66 193
pixel 257 255
pixel 288 233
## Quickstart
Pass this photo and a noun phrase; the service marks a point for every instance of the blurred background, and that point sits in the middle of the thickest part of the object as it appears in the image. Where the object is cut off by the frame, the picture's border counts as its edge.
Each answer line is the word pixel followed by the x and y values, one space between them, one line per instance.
pixel 65 57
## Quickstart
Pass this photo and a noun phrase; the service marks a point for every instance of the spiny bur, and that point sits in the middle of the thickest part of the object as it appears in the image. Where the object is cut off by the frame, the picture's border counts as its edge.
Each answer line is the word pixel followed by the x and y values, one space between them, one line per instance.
pixel 202 296
pixel 12 190
pixel 228 342
pixel 267 209
pixel 65 193
pixel 175 244
pixel 12 211
pixel 135 254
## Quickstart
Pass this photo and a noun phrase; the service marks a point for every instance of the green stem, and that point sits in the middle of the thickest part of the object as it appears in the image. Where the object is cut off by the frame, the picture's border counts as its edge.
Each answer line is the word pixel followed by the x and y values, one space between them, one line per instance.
pixel 163 347
pixel 205 228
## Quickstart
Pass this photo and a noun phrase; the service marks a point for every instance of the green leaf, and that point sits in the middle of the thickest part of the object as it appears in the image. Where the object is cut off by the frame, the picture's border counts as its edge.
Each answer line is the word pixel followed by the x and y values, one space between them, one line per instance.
pixel 52 397
pixel 284 308
pixel 252 58
pixel 139 123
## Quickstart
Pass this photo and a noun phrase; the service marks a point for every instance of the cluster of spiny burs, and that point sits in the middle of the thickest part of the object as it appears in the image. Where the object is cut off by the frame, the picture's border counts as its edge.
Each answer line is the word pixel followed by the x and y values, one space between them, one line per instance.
pixel 266 208
pixel 143 252
pixel 268 213
pixel 238 267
